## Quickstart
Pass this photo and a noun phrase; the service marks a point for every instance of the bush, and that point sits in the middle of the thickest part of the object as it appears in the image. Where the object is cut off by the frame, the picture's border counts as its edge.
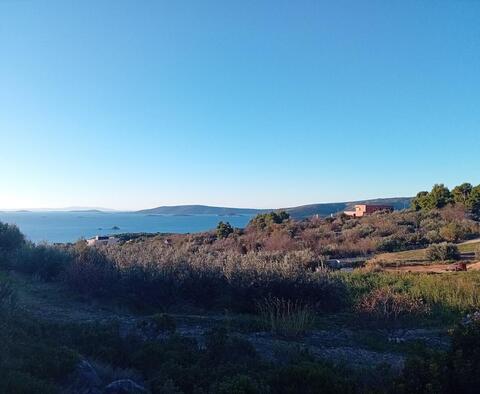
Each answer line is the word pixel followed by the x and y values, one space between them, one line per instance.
pixel 455 371
pixel 224 230
pixel 442 252
pixel 8 299
pixel 11 239
pixel 311 378
pixel 385 303
pixel 391 244
pixel 453 232
pixel 91 272
pixel 17 382
pixel 464 357
pixel 238 384
pixel 264 220
pixel 46 262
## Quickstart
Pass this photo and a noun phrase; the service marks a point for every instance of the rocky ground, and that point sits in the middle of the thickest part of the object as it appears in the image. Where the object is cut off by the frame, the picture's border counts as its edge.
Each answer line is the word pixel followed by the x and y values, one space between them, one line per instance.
pixel 358 348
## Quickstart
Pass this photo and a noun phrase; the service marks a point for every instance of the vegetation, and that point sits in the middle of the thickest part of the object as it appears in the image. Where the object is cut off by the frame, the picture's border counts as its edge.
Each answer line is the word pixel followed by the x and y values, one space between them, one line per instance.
pixel 455 371
pixel 274 270
pixel 224 230
pixel 388 304
pixel 442 252
pixel 285 317
pixel 464 195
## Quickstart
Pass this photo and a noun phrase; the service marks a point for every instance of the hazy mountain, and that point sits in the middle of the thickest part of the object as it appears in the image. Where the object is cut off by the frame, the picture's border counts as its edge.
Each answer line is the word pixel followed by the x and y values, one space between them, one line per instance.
pixel 66 209
pixel 199 210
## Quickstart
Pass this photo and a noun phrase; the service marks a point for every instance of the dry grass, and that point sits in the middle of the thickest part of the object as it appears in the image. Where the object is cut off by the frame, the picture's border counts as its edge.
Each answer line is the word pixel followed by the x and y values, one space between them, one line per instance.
pixel 419 255
pixel 285 317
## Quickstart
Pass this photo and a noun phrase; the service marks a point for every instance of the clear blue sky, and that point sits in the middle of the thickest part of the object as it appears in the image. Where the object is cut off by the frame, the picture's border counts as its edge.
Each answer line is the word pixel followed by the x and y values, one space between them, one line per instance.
pixel 135 104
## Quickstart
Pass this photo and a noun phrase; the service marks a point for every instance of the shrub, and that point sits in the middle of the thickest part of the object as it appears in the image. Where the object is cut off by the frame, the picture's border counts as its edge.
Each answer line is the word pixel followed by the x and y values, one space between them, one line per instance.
pixel 264 220
pixel 49 362
pixel 10 237
pixel 224 230
pixel 442 252
pixel 46 262
pixel 7 299
pixel 455 371
pixel 385 303
pixel 464 357
pixel 286 317
pixel 91 272
pixel 453 232
pixel 311 378
pixel 164 323
pixel 238 384
pixel 18 382
pixel 390 244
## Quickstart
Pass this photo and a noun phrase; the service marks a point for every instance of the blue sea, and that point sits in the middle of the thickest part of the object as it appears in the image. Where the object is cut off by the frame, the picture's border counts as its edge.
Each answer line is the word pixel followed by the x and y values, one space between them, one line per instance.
pixel 70 226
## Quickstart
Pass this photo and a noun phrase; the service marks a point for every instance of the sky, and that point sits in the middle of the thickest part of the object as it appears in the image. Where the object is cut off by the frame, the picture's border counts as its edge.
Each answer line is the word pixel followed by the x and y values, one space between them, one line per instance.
pixel 136 104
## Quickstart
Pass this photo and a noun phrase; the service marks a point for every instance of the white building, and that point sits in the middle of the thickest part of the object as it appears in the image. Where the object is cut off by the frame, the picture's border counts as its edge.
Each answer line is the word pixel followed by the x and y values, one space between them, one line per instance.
pixel 102 240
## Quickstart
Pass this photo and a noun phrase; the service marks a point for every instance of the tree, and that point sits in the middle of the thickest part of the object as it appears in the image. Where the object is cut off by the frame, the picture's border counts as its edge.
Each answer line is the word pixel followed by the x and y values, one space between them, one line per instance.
pixel 224 230
pixel 439 197
pixel 420 201
pixel 473 202
pixel 264 220
pixel 461 194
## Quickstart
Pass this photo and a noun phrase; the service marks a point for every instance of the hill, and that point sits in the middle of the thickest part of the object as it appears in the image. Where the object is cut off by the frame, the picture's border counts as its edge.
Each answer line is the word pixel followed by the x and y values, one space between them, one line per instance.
pixel 299 212
pixel 199 210
pixel 326 209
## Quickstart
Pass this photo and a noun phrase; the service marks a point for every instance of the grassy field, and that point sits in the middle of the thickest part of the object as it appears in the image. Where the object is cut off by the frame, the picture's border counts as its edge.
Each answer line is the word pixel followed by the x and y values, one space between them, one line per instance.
pixel 419 255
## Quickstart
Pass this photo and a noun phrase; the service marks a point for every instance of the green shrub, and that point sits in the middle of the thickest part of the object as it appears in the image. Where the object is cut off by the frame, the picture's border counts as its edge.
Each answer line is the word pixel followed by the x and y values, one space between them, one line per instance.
pixel 238 384
pixel 18 382
pixel 311 378
pixel 10 237
pixel 391 244
pixel 442 252
pixel 7 298
pixel 464 356
pixel 224 230
pixel 48 362
pixel 423 373
pixel 264 220
pixel 45 261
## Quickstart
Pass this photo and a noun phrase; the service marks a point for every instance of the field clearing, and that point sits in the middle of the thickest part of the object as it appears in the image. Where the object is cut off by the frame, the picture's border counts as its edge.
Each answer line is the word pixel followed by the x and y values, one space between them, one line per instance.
pixel 419 255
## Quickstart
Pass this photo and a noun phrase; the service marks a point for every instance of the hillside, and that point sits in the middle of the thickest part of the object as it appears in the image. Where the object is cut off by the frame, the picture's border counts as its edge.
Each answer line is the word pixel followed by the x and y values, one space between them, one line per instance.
pixel 199 210
pixel 299 212
pixel 326 209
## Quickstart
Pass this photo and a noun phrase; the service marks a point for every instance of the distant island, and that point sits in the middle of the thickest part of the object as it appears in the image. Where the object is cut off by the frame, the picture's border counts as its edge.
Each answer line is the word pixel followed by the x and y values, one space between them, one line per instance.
pixel 182 210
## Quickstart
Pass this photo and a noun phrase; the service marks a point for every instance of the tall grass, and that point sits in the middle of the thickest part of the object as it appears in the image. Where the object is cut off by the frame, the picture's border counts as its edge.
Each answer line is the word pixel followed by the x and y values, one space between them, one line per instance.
pixel 451 292
pixel 285 317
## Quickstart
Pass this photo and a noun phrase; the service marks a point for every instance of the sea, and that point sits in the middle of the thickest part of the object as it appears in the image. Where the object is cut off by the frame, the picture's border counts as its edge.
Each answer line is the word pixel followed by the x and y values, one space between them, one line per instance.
pixel 61 227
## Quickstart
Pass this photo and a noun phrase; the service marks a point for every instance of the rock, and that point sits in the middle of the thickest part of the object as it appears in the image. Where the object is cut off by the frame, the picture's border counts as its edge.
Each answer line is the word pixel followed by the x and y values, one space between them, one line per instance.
pixel 87 375
pixel 83 380
pixel 124 386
